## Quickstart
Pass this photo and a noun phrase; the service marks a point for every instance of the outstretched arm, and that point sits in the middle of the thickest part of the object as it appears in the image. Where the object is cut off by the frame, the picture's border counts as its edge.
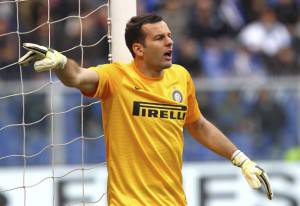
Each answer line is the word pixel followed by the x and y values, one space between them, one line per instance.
pixel 67 70
pixel 73 75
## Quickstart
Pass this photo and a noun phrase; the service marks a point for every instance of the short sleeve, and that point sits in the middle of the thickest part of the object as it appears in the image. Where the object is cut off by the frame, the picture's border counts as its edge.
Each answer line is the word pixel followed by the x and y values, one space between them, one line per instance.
pixel 105 84
pixel 193 112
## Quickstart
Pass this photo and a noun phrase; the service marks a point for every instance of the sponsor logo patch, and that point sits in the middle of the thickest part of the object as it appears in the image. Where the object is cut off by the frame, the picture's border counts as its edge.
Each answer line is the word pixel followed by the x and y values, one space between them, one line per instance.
pixel 158 110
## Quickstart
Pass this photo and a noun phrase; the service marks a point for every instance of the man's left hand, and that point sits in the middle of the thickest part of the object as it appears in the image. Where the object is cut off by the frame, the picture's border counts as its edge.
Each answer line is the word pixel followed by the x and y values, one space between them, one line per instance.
pixel 255 175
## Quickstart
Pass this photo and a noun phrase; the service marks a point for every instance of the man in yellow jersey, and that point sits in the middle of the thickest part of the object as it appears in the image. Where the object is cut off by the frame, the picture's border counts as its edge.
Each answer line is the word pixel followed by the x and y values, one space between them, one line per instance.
pixel 146 104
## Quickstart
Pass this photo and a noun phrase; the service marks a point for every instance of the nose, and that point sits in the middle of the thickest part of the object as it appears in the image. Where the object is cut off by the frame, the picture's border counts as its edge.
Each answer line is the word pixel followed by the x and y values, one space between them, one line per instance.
pixel 169 41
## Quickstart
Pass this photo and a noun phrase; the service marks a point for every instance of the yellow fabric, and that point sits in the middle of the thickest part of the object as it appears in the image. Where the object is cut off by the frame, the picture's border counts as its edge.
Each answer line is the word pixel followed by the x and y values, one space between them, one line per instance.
pixel 143 129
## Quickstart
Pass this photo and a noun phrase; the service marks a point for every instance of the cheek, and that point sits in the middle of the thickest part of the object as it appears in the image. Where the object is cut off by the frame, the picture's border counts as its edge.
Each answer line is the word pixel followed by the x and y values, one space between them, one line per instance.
pixel 154 47
pixel 151 53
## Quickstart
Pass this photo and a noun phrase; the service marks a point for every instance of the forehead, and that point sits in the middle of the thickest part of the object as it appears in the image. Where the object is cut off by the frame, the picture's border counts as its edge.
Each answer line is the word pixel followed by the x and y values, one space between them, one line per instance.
pixel 152 29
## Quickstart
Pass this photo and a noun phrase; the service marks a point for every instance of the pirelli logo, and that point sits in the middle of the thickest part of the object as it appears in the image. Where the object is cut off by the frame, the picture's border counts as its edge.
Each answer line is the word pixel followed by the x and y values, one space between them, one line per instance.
pixel 157 110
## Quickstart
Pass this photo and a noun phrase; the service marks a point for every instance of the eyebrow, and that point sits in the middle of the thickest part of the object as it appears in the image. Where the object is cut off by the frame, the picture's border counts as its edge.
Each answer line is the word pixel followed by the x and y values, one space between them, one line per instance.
pixel 161 34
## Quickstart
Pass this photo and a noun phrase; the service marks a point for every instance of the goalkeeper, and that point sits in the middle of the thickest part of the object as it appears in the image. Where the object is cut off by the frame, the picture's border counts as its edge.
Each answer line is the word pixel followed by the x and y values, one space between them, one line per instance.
pixel 146 104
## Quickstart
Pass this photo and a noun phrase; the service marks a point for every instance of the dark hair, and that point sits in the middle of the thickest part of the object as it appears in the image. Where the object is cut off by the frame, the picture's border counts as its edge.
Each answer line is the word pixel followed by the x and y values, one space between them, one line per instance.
pixel 133 31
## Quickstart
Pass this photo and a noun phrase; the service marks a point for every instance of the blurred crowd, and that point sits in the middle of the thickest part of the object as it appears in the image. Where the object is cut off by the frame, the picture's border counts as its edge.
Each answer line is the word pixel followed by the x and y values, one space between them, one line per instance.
pixel 56 25
pixel 234 37
pixel 212 38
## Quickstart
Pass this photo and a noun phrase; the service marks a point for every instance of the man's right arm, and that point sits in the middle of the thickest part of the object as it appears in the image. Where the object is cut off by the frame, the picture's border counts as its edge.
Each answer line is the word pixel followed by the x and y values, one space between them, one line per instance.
pixel 72 75
pixel 67 70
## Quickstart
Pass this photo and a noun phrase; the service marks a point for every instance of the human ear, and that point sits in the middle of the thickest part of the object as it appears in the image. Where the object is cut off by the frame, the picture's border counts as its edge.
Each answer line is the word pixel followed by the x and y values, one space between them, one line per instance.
pixel 138 49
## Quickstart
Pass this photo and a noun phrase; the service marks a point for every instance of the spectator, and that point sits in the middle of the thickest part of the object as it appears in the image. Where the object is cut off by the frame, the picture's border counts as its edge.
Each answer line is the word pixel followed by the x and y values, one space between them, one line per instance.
pixel 216 58
pixel 232 14
pixel 266 35
pixel 205 22
pixel 187 55
pixel 287 11
pixel 284 63
pixel 247 64
pixel 252 9
pixel 175 13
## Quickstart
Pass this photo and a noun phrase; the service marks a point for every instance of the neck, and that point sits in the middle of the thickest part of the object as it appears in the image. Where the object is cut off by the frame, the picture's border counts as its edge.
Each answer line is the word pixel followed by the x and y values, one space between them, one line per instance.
pixel 148 70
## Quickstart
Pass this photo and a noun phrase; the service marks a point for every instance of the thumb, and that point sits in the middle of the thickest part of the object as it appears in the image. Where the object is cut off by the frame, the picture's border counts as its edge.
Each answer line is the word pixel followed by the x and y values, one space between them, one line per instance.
pixel 38 49
pixel 252 180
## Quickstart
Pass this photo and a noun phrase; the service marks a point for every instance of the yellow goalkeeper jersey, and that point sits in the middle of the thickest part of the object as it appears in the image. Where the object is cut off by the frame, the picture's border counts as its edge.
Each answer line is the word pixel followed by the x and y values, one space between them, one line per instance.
pixel 143 121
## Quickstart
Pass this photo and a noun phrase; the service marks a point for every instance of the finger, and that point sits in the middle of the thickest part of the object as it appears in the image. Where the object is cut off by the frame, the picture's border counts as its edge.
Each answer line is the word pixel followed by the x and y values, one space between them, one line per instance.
pixel 252 180
pixel 41 50
pixel 266 185
pixel 44 65
pixel 27 58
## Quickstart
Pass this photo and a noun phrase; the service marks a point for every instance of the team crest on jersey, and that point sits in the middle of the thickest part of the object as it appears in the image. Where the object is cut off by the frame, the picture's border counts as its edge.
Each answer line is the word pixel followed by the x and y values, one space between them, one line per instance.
pixel 177 96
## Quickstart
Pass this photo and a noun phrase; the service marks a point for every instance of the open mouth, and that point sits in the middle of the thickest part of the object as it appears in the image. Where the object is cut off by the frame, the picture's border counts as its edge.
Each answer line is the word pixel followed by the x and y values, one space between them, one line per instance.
pixel 168 54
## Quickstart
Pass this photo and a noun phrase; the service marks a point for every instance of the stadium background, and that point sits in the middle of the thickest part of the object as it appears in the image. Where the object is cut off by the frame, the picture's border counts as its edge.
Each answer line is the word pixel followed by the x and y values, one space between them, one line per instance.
pixel 246 85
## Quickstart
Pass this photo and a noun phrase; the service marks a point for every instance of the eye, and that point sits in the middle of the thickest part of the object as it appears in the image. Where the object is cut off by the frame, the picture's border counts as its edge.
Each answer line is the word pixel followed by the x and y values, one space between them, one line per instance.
pixel 159 37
